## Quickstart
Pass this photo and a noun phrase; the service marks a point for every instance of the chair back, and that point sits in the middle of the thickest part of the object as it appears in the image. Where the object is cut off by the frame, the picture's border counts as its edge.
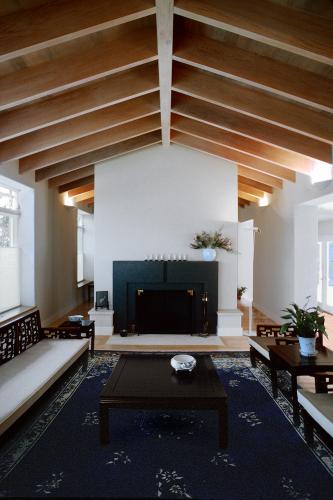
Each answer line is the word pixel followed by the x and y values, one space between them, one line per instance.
pixel 274 331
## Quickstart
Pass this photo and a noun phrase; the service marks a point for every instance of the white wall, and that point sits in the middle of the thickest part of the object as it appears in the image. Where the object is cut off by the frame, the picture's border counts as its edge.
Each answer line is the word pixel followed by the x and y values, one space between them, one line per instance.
pixel 325 228
pixel 153 201
pixel 88 246
pixel 55 247
pixel 276 274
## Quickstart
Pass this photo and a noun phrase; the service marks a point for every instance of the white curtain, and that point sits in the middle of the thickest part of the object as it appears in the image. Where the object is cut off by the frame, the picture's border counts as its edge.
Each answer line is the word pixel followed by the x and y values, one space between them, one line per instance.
pixel 9 278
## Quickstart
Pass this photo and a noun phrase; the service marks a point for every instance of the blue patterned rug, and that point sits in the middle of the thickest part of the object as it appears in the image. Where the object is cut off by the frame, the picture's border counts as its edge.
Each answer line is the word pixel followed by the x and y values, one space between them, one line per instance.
pixel 165 454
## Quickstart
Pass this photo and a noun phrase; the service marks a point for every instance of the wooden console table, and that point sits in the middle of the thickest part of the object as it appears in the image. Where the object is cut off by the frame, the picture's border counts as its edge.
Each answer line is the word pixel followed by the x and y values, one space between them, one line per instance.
pixel 287 357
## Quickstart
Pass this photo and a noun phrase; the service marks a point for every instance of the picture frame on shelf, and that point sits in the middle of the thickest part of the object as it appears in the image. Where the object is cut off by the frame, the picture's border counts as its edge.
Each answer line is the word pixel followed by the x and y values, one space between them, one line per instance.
pixel 102 300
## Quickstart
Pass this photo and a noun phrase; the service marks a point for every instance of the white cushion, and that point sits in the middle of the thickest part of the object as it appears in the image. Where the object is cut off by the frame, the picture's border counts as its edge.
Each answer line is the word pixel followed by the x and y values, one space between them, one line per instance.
pixel 320 407
pixel 27 376
pixel 263 350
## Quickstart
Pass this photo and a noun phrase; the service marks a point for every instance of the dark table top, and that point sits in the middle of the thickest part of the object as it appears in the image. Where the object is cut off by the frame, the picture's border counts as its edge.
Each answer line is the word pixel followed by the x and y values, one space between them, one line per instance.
pixel 152 376
pixel 290 355
pixel 83 322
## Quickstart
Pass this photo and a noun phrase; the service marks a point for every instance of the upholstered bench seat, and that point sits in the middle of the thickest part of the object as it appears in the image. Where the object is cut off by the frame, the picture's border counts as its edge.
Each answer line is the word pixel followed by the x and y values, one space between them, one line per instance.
pixel 26 377
pixel 319 407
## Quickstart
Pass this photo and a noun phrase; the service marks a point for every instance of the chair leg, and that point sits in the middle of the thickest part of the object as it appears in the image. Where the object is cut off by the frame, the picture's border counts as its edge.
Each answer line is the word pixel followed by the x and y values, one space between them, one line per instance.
pixel 308 427
pixel 253 357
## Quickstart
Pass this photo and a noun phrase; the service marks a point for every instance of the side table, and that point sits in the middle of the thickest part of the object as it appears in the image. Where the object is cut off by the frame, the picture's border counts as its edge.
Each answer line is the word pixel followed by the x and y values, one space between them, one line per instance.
pixel 85 326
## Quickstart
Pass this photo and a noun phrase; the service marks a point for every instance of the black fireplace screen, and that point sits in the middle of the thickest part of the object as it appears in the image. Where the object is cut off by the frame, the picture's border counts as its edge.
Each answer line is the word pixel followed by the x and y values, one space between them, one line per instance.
pixel 164 311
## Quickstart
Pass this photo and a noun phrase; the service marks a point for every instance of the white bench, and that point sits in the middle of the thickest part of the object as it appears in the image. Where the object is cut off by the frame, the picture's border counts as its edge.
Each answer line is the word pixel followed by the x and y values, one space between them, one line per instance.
pixel 31 363
pixel 316 408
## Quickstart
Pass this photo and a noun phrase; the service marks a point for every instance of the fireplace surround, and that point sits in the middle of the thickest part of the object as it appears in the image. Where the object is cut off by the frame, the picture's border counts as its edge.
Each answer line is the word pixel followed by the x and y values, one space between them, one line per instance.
pixel 169 291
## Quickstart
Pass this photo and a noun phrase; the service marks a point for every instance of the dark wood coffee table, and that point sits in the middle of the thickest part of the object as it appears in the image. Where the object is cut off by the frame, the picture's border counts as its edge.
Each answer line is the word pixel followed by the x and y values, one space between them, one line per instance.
pixel 149 382
pixel 287 357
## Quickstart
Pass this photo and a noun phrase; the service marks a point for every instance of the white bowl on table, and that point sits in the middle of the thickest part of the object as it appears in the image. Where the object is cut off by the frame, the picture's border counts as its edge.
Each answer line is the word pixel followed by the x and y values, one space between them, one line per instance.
pixel 75 317
pixel 183 362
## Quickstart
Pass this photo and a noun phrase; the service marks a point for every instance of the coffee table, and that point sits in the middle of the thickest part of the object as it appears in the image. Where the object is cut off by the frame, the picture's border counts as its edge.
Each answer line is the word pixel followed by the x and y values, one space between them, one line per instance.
pixel 149 382
pixel 287 357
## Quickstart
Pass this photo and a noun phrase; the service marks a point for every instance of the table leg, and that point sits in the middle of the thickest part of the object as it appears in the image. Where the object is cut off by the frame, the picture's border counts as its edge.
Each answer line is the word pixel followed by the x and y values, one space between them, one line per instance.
pixel 92 343
pixel 274 381
pixel 294 398
pixel 104 423
pixel 223 426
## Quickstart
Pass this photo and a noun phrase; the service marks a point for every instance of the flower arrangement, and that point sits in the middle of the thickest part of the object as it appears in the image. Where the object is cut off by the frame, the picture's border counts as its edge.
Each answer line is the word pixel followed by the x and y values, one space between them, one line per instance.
pixel 211 240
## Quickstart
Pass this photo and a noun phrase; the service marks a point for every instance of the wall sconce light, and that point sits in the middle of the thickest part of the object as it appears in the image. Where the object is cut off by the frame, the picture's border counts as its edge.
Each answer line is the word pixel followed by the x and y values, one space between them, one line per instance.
pixel 67 201
pixel 264 201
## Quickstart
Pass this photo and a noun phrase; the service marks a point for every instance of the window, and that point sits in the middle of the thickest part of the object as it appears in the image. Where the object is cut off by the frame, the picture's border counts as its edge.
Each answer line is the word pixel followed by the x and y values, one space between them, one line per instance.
pixel 80 229
pixel 9 251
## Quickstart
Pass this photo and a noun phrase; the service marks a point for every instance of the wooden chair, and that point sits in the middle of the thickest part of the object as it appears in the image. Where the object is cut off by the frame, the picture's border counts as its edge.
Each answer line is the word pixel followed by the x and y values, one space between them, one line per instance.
pixel 317 408
pixel 268 335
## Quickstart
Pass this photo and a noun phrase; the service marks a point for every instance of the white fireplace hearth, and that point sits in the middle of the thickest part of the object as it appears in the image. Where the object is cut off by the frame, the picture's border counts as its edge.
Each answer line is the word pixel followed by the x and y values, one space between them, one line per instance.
pixel 103 320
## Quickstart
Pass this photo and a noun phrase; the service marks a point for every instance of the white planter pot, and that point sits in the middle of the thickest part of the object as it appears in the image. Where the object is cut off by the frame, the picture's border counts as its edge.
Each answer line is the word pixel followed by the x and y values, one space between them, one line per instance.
pixel 208 254
pixel 307 346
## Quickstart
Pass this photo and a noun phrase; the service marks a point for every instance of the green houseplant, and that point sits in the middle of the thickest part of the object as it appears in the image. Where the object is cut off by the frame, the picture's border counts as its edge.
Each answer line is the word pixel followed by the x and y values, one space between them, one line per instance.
pixel 208 242
pixel 308 323
pixel 240 291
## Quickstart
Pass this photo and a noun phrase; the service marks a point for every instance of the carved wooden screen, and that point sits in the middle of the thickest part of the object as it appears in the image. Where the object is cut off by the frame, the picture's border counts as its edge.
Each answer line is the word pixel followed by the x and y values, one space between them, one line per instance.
pixel 273 331
pixel 28 331
pixel 7 343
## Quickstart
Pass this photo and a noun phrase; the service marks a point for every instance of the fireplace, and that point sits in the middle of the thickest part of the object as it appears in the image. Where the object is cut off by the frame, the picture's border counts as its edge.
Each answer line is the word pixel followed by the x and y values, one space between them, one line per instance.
pixel 165 297
pixel 164 311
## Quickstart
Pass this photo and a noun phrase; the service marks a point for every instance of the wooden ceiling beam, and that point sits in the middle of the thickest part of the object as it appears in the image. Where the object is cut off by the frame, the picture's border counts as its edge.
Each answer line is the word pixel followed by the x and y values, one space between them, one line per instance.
pixel 76 184
pixel 252 128
pixel 245 202
pixel 89 201
pixel 246 188
pixel 61 74
pixel 233 156
pixel 254 69
pixel 247 196
pixel 99 155
pixel 238 142
pixel 280 26
pixel 115 89
pixel 255 184
pixel 82 126
pixel 51 24
pixel 255 175
pixel 83 196
pixel 90 143
pixel 74 176
pixel 253 102
pixel 81 189
pixel 164 21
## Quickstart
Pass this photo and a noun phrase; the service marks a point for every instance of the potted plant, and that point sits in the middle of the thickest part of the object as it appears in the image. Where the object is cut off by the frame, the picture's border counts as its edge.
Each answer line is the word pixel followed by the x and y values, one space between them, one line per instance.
pixel 240 291
pixel 308 323
pixel 208 242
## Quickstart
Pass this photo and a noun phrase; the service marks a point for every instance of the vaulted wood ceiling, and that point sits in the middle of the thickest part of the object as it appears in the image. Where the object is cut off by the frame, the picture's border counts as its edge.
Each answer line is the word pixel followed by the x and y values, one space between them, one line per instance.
pixel 249 81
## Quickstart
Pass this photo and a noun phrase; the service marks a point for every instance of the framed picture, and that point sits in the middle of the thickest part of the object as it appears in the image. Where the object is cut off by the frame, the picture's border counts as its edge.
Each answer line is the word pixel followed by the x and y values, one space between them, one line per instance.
pixel 102 300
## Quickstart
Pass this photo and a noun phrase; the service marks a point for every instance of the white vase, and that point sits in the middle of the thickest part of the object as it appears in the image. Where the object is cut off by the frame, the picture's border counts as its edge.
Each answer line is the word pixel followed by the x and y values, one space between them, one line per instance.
pixel 208 254
pixel 307 346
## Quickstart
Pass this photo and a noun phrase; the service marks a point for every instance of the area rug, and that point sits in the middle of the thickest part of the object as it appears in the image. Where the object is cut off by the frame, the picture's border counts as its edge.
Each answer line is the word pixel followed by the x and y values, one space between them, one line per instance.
pixel 166 454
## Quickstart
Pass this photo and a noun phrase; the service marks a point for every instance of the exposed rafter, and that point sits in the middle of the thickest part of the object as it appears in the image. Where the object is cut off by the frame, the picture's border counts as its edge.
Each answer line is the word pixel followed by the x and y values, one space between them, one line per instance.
pixel 84 196
pixel 81 126
pixel 164 19
pixel 71 177
pixel 98 155
pixel 234 156
pixel 59 22
pixel 81 189
pixel 242 65
pixel 47 78
pixel 252 102
pixel 297 31
pixel 255 175
pixel 224 118
pixel 90 143
pixel 75 184
pixel 108 91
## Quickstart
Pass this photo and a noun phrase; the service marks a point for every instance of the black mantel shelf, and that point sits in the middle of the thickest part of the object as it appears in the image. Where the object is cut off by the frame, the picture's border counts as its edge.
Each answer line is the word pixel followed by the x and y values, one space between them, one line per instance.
pixel 130 276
